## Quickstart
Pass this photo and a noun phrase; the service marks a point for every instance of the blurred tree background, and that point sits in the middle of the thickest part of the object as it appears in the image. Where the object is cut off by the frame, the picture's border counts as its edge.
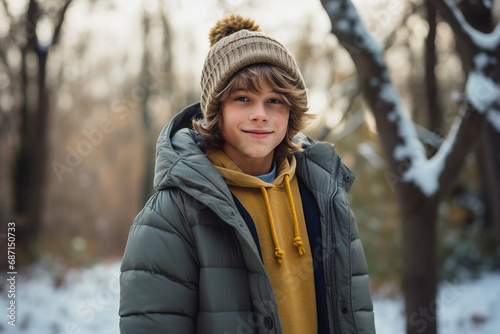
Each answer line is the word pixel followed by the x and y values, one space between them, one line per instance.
pixel 86 86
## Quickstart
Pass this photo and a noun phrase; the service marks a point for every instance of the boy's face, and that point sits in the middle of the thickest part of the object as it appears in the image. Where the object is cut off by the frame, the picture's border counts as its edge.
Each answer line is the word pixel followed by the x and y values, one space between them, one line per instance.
pixel 253 124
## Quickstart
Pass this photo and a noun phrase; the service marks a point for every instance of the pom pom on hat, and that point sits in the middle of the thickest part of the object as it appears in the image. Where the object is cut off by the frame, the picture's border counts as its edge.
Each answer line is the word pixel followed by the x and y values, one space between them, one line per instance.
pixel 229 25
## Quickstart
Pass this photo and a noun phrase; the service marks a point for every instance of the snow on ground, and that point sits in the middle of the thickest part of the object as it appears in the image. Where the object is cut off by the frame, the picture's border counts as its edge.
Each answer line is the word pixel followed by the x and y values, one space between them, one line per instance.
pixel 471 307
pixel 86 301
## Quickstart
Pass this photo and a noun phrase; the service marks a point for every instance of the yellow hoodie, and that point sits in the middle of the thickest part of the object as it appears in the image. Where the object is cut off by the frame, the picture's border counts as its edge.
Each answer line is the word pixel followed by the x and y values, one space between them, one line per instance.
pixel 276 209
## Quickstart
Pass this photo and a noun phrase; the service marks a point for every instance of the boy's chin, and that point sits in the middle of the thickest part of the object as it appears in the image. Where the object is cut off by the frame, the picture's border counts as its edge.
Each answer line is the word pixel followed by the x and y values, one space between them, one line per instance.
pixel 261 154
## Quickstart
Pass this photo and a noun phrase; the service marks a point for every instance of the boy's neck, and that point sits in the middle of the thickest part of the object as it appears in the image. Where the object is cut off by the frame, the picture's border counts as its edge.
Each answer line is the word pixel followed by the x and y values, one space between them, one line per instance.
pixel 252 166
pixel 255 168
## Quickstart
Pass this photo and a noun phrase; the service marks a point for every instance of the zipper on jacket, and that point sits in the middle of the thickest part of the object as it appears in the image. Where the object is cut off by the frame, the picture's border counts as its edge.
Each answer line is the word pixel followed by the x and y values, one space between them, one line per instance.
pixel 331 245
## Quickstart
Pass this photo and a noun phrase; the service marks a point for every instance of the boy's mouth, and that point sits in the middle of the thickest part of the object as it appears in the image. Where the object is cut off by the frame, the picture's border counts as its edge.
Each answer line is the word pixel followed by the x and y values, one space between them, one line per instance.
pixel 258 133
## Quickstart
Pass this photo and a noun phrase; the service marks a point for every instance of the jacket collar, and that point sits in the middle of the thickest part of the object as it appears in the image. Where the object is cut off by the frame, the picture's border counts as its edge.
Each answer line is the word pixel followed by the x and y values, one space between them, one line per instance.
pixel 320 157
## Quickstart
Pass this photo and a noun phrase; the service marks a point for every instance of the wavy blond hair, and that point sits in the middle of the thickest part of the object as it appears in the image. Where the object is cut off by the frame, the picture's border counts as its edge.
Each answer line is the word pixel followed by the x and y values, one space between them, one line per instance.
pixel 292 91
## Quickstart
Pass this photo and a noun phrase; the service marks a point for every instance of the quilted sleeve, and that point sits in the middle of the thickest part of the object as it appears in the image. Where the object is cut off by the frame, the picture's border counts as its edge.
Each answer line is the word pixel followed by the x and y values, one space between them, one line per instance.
pixel 361 295
pixel 159 271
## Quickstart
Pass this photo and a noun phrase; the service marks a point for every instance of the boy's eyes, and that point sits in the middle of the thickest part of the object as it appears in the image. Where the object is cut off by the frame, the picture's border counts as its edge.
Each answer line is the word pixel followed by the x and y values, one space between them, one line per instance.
pixel 275 101
pixel 241 99
pixel 246 99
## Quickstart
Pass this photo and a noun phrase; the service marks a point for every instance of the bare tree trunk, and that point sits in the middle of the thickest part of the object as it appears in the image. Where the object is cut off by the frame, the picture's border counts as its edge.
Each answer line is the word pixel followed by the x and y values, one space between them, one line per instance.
pixel 31 166
pixel 431 87
pixel 488 159
pixel 32 156
pixel 154 83
pixel 39 157
pixel 418 216
pixel 480 17
pixel 149 149
pixel 27 172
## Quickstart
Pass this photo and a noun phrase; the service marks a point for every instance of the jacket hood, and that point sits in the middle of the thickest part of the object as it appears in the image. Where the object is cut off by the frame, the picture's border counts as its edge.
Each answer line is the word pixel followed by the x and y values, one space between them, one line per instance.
pixel 171 151
pixel 181 163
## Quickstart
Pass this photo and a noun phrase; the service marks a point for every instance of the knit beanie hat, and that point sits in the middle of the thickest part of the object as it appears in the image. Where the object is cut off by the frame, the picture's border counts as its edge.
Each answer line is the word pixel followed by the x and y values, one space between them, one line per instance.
pixel 236 43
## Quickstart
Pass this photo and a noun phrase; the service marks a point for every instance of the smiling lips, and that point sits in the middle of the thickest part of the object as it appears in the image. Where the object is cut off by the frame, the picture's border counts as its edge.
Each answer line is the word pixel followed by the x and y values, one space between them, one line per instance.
pixel 259 134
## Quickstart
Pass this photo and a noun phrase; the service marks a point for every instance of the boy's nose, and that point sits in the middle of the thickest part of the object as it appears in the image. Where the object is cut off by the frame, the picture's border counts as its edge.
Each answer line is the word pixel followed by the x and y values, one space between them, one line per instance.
pixel 259 113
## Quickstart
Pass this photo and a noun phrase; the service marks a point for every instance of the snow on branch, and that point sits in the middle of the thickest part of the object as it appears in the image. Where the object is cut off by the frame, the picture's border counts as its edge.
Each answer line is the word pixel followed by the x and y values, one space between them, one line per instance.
pixel 378 89
pixel 426 174
pixel 482 41
pixel 481 91
pixel 396 130
pixel 483 50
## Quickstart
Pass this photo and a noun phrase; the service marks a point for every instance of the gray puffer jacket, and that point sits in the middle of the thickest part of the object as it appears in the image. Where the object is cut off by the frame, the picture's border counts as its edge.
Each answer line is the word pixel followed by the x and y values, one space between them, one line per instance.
pixel 192 266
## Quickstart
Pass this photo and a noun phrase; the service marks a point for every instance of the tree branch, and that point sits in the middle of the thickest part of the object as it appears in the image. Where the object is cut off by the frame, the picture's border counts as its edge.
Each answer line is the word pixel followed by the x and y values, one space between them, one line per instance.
pixel 30 26
pixel 465 33
pixel 8 70
pixel 493 117
pixel 3 48
pixel 410 9
pixel 465 137
pixel 403 150
pixel 57 29
pixel 457 22
pixel 7 11
pixel 3 56
pixel 352 95
pixel 11 22
pixel 396 131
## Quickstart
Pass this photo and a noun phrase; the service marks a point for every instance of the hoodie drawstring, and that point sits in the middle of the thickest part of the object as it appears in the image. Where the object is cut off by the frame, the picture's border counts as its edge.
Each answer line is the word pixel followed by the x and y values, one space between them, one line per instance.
pixel 278 252
pixel 297 240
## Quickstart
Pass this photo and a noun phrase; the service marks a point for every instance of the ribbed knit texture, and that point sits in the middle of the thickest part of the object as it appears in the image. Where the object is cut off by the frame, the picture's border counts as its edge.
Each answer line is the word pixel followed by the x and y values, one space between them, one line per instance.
pixel 233 53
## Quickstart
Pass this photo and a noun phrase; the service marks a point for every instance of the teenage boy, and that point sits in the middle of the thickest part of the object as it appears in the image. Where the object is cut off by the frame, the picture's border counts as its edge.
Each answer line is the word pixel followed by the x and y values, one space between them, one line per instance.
pixel 250 230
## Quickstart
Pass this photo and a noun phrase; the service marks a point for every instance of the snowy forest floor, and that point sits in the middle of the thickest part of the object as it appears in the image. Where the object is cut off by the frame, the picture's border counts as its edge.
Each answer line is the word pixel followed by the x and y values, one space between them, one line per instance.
pixel 86 301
